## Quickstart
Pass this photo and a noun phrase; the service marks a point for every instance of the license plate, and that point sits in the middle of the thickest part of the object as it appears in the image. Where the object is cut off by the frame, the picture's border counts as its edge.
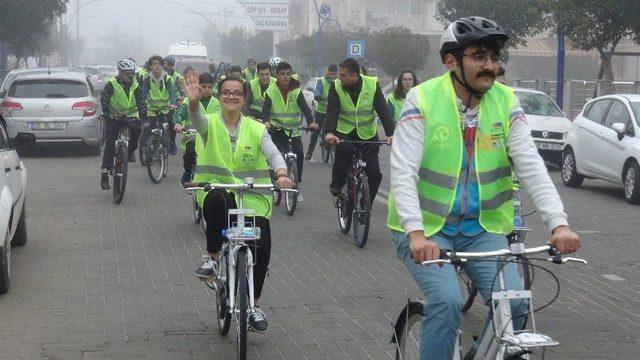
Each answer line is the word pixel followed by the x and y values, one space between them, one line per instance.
pixel 49 125
pixel 548 146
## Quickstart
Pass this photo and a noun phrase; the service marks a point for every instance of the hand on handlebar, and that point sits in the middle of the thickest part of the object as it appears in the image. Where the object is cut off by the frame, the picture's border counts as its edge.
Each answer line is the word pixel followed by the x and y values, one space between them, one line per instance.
pixel 422 249
pixel 389 140
pixel 284 182
pixel 332 139
pixel 177 128
pixel 314 126
pixel 565 240
pixel 267 124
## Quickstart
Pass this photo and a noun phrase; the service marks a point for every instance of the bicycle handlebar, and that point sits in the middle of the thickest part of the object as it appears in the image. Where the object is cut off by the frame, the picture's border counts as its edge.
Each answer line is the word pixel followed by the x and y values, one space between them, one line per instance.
pixel 452 257
pixel 190 186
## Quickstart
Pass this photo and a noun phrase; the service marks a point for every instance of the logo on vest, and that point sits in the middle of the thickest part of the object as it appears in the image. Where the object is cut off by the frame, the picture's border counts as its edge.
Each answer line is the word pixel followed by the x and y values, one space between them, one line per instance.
pixel 441 138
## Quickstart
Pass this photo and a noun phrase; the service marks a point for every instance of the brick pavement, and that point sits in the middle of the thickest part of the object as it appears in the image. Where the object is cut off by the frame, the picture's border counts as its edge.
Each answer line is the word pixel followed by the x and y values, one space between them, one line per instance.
pixel 102 281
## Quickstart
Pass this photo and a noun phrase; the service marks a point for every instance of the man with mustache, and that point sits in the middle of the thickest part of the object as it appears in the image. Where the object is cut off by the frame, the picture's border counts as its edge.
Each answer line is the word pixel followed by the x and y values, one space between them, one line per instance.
pixel 458 140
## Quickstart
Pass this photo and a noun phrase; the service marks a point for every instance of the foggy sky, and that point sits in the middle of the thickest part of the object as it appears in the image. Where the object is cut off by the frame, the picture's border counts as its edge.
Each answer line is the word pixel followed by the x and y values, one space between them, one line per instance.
pixel 156 23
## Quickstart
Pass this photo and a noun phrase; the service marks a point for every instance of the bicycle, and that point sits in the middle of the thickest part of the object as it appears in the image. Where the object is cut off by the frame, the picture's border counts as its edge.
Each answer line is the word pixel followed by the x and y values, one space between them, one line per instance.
pixel 121 161
pixel 189 134
pixel 156 149
pixel 290 158
pixel 328 151
pixel 234 284
pixel 500 340
pixel 354 206
pixel 517 236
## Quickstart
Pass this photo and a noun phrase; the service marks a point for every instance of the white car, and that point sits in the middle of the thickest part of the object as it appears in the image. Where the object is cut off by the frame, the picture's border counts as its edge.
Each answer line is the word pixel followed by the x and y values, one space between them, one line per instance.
pixel 13 189
pixel 604 143
pixel 548 123
pixel 309 92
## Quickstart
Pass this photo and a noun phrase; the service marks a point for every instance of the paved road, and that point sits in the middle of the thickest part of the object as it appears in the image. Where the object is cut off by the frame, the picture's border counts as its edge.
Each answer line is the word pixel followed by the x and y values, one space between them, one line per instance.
pixel 98 280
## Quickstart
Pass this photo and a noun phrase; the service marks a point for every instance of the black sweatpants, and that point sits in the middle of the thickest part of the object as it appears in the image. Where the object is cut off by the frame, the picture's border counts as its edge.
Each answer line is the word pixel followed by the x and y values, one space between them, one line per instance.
pixel 313 139
pixel 189 157
pixel 280 140
pixel 344 156
pixel 216 208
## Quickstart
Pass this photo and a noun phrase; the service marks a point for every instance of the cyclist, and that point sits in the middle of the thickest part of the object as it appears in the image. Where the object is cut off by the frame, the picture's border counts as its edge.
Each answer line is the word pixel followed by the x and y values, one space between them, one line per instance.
pixel 256 89
pixel 405 81
pixel 457 140
pixel 121 98
pixel 160 92
pixel 350 116
pixel 320 96
pixel 209 105
pixel 250 72
pixel 234 145
pixel 283 103
pixel 178 79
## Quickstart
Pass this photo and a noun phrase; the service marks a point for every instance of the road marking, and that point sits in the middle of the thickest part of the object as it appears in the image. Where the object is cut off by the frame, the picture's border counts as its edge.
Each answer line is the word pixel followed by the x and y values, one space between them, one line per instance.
pixel 613 277
pixel 382 199
pixel 588 231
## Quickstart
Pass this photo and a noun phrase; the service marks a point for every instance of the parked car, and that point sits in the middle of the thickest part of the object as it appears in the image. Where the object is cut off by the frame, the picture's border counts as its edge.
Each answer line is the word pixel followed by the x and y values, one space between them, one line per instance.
pixel 60 107
pixel 604 143
pixel 8 79
pixel 548 123
pixel 98 80
pixel 309 92
pixel 13 216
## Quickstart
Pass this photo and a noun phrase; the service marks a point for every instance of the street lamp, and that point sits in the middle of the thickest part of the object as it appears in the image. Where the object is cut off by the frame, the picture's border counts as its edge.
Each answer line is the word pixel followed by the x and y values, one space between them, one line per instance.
pixel 324 16
pixel 77 13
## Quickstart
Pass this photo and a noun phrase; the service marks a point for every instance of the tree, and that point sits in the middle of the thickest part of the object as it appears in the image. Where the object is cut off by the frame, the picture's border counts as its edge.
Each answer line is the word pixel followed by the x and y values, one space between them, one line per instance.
pixel 397 48
pixel 598 25
pixel 25 25
pixel 518 18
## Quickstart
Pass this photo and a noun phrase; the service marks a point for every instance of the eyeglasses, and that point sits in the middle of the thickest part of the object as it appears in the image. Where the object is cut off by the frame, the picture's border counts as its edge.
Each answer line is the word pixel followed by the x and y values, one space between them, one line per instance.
pixel 482 58
pixel 236 93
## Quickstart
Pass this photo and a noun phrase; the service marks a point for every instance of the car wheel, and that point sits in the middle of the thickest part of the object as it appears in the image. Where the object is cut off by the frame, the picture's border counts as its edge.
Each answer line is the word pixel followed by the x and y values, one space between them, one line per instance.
pixel 570 176
pixel 95 150
pixel 630 179
pixel 20 236
pixel 5 265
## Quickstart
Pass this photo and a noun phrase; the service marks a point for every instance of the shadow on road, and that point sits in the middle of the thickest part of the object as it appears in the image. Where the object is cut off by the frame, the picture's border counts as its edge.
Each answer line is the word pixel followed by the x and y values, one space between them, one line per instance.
pixel 55 151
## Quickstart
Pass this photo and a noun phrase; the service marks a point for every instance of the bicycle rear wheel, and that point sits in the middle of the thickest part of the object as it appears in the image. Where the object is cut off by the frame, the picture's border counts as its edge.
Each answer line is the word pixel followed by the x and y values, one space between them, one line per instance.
pixel 155 158
pixel 408 332
pixel 290 198
pixel 242 301
pixel 345 207
pixel 120 168
pixel 361 212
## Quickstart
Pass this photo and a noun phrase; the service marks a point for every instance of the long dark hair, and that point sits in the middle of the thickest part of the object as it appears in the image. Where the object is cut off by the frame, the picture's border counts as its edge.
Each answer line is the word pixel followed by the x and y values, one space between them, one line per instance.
pixel 398 90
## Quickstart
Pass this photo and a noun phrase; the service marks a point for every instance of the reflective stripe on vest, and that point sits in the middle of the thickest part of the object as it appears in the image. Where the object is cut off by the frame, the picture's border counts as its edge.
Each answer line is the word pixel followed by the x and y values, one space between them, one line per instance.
pixel 321 105
pixel 121 103
pixel 285 114
pixel 397 106
pixel 359 116
pixel 217 162
pixel 257 98
pixel 442 157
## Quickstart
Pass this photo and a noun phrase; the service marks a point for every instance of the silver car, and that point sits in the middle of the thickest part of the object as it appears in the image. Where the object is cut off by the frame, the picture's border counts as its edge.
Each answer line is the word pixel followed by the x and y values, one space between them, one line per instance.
pixel 60 107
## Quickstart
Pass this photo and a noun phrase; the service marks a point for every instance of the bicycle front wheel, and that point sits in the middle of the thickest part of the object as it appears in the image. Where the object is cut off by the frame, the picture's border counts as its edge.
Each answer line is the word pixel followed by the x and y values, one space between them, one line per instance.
pixel 155 158
pixel 290 198
pixel 120 168
pixel 241 300
pixel 142 147
pixel 344 211
pixel 408 332
pixel 361 212
pixel 326 151
pixel 223 315
pixel 467 289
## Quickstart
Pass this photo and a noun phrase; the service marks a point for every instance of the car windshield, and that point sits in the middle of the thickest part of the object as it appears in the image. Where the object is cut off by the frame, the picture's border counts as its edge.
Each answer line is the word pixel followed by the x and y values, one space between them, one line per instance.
pixel 635 106
pixel 48 88
pixel 199 66
pixel 538 104
pixel 91 70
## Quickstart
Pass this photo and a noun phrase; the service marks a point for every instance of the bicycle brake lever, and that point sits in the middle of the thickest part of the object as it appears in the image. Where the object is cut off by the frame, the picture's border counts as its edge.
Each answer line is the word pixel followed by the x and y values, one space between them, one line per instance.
pixel 566 260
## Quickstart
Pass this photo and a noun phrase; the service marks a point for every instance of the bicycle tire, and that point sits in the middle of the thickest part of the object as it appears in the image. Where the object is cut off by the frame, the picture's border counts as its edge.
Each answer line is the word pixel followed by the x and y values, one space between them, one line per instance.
pixel 195 210
pixel 467 290
pixel 290 198
pixel 326 151
pixel 120 169
pixel 241 300
pixel 344 211
pixel 361 212
pixel 155 158
pixel 165 153
pixel 407 333
pixel 223 315
pixel 142 144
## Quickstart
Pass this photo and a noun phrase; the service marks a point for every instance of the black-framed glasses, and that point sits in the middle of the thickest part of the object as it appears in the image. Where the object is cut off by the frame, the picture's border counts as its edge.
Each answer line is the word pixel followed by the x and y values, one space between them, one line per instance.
pixel 236 93
pixel 482 58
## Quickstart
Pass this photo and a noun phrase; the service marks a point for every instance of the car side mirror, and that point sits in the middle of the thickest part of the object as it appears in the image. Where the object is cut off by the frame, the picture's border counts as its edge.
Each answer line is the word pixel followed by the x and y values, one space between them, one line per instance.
pixel 620 128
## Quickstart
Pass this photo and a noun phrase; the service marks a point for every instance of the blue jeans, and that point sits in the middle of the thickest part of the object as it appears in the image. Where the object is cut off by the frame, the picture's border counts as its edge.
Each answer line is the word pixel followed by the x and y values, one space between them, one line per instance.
pixel 442 291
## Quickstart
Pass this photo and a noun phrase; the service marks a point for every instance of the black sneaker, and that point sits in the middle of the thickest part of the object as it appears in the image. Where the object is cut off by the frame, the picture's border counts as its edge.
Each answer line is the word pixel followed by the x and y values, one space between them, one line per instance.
pixel 257 320
pixel 208 269
pixel 104 180
pixel 132 158
pixel 307 157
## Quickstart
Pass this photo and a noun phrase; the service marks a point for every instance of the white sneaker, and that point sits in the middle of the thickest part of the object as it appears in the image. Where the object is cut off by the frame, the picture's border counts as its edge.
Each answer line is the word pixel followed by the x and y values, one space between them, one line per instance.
pixel 208 269
pixel 300 198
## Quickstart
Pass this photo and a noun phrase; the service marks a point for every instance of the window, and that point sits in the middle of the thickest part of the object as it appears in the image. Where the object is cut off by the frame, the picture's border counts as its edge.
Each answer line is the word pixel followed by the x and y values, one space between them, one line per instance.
pixel 617 114
pixel 597 110
pixel 48 88
pixel 538 104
